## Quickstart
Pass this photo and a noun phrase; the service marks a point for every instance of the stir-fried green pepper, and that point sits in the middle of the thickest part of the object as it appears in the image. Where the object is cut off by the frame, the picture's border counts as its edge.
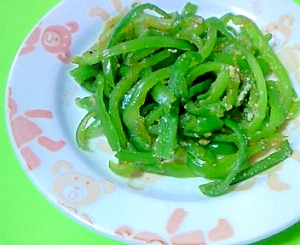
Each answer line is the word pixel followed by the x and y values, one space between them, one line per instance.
pixel 180 95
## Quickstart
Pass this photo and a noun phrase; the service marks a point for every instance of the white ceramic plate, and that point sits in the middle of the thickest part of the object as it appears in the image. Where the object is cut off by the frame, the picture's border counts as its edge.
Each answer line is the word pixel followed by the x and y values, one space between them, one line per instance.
pixel 42 119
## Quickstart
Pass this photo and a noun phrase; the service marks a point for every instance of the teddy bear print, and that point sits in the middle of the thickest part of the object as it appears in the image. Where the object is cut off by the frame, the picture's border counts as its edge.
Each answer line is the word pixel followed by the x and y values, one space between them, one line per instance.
pixel 25 130
pixel 288 53
pixel 55 39
pixel 75 190
pixel 223 230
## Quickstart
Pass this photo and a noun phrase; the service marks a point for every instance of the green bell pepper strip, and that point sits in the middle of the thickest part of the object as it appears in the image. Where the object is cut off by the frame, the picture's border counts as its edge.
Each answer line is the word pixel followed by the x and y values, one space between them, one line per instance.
pixel 148 108
pixel 199 88
pixel 145 21
pixel 257 149
pixel 226 138
pixel 230 98
pixel 201 69
pixel 261 43
pixel 277 113
pixel 190 28
pixel 261 110
pixel 264 164
pixel 189 10
pixel 122 26
pixel 204 162
pixel 146 42
pixel 177 81
pixel 167 61
pixel 136 157
pixel 154 115
pixel 100 52
pixel 163 96
pixel 214 171
pixel 136 56
pixel 109 74
pixel 222 148
pixel 210 39
pixel 219 187
pixel 166 143
pixel 195 110
pixel 174 169
pixel 90 57
pixel 154 59
pixel 153 130
pixel 115 100
pixel 131 113
pixel 102 113
pixel 81 137
pixel 238 60
pixel 94 129
pixel 124 85
pixel 109 28
pixel 187 121
pixel 123 168
pixel 201 125
pixel 217 89
pixel 88 103
pixel 85 76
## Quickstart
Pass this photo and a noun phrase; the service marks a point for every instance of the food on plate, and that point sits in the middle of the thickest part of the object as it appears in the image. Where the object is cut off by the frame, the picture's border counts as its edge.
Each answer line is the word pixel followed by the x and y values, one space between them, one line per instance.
pixel 180 95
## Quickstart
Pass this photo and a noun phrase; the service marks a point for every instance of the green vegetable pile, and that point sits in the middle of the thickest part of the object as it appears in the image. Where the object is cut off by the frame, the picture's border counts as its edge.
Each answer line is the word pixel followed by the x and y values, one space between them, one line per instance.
pixel 183 96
